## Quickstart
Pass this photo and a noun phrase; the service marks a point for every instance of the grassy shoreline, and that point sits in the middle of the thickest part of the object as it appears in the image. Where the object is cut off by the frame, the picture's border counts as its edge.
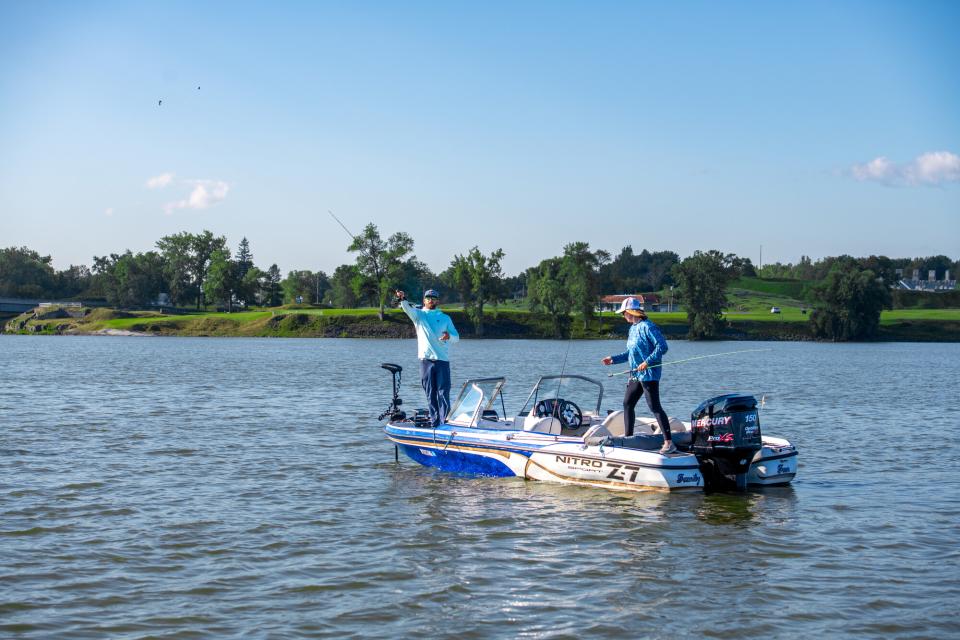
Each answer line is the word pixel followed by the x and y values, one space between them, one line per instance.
pixel 910 325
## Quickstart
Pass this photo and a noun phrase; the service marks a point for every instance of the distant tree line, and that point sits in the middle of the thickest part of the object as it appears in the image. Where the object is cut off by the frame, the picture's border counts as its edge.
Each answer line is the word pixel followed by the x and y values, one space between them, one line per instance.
pixel 882 266
pixel 186 270
pixel 199 270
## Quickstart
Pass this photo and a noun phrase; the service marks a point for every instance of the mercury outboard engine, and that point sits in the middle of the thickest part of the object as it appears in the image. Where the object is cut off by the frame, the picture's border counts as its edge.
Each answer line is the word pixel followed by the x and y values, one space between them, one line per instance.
pixel 394 409
pixel 726 436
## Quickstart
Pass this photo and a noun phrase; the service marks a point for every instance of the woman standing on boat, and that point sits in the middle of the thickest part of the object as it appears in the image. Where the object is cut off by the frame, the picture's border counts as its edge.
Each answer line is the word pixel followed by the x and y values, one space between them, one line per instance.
pixel 645 349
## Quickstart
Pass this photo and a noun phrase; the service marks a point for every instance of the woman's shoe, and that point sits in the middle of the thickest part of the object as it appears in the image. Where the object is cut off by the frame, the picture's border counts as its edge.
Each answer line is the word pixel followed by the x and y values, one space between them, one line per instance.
pixel 668 447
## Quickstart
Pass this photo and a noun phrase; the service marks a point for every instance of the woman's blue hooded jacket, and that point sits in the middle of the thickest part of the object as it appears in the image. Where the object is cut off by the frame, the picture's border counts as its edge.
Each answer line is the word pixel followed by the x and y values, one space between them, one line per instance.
pixel 645 343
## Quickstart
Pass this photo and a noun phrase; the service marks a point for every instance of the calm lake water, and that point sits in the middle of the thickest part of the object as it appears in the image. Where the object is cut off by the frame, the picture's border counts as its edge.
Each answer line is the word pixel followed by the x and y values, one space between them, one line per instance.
pixel 190 488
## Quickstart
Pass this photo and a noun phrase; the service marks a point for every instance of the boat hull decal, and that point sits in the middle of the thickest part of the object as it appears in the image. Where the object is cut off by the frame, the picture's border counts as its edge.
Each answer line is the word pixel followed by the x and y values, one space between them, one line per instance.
pixel 458 461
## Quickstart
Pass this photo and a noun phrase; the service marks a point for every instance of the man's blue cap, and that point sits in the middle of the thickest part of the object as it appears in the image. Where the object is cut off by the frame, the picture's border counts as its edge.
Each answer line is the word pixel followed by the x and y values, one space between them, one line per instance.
pixel 431 293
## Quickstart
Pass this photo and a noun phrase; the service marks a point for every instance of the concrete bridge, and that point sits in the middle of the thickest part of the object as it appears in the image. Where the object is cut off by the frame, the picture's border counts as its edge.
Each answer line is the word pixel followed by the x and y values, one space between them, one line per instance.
pixel 19 305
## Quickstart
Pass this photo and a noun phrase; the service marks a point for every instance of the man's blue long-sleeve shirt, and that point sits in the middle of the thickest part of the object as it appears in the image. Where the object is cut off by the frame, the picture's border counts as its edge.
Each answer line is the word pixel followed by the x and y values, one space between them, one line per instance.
pixel 645 343
pixel 430 324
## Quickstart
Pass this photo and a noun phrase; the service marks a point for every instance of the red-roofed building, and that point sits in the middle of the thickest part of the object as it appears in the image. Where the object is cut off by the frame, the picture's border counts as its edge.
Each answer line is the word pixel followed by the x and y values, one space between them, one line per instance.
pixel 648 301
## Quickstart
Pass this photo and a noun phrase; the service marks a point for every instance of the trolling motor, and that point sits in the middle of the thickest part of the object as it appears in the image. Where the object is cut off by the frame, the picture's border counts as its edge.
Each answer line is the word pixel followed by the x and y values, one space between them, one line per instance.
pixel 393 410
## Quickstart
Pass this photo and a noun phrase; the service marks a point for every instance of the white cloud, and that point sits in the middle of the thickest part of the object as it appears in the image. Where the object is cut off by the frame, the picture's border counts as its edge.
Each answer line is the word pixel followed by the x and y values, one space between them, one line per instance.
pixel 932 169
pixel 205 194
pixel 160 181
pixel 936 167
pixel 108 212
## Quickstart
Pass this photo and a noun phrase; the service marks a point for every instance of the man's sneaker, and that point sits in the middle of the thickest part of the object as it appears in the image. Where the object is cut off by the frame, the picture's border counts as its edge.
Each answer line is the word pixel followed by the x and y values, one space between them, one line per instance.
pixel 668 447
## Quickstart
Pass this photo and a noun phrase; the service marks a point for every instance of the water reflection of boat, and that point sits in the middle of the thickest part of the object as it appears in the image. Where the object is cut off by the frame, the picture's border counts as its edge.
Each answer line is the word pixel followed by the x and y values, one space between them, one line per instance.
pixel 560 435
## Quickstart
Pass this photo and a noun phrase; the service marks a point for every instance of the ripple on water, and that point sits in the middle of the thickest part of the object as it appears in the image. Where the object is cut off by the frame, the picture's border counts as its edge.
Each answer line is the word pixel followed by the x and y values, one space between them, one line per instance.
pixel 196 502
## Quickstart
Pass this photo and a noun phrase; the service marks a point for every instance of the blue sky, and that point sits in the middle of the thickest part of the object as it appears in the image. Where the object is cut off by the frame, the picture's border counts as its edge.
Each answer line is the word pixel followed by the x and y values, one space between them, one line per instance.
pixel 813 128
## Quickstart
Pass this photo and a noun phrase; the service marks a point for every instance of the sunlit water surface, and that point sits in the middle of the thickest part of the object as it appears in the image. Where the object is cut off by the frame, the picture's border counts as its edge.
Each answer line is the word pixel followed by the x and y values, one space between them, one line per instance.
pixel 178 487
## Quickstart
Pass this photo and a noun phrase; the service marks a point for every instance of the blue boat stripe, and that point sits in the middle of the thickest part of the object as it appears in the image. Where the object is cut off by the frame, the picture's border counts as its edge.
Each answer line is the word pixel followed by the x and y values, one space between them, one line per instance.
pixel 430 441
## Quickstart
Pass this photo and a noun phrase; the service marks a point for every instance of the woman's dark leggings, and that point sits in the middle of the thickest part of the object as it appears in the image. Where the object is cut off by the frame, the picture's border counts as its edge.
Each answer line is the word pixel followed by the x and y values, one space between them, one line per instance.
pixel 651 391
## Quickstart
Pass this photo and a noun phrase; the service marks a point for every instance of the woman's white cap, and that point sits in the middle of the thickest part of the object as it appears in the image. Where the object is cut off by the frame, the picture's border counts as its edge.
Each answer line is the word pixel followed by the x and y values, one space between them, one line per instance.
pixel 631 306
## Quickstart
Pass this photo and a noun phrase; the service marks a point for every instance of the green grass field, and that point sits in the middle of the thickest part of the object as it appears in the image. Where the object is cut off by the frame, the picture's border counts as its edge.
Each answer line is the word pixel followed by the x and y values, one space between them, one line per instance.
pixel 759 311
pixel 747 316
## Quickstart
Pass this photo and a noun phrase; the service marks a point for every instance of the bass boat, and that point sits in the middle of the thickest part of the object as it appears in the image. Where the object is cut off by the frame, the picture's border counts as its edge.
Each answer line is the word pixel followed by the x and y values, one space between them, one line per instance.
pixel 560 435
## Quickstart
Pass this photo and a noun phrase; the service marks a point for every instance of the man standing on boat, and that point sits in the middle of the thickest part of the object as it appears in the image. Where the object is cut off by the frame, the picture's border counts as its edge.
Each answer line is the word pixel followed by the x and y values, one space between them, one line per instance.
pixel 435 331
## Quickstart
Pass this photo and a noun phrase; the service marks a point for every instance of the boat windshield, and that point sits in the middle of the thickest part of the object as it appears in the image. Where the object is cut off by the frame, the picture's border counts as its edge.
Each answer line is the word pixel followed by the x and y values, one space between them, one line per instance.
pixel 586 392
pixel 476 396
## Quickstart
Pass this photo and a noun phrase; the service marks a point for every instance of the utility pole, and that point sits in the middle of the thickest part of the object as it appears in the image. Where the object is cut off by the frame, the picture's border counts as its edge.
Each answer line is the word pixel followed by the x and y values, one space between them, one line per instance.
pixel 761 256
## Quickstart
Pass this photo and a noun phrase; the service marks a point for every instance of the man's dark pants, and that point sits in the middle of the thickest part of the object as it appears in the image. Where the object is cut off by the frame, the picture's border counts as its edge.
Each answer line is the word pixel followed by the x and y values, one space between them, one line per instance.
pixel 435 378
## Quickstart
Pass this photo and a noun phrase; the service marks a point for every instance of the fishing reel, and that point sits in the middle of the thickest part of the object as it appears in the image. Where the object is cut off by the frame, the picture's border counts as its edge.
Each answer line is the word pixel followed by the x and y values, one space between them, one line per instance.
pixel 393 409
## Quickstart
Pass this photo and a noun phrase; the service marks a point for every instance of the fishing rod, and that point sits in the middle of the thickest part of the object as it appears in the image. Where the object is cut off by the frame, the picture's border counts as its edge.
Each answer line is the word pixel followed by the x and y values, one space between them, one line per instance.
pixel 376 263
pixel 556 401
pixel 712 355
pixel 342 225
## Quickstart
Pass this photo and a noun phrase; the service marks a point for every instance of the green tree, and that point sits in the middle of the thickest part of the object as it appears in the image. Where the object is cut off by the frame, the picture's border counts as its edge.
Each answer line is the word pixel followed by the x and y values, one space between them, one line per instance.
pixel 629 272
pixel 380 262
pixel 203 245
pixel 307 285
pixel 479 280
pixel 188 258
pixel 848 302
pixel 222 278
pixel 414 277
pixel 73 281
pixel 244 257
pixel 603 259
pixel 24 273
pixel 703 279
pixel 341 293
pixel 547 292
pixel 176 251
pixel 253 286
pixel 246 290
pixel 273 294
pixel 127 280
pixel 579 274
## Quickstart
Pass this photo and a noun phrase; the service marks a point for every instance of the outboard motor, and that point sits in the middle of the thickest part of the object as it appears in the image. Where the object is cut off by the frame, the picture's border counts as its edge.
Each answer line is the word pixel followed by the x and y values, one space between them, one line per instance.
pixel 726 436
pixel 394 409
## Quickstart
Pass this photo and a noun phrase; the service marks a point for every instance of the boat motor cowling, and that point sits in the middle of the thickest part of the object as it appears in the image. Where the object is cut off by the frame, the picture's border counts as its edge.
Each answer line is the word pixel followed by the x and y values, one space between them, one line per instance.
pixel 726 436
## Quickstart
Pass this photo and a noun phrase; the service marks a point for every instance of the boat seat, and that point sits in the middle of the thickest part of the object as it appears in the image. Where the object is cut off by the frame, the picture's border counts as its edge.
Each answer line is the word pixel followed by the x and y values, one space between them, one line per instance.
pixel 643 424
pixel 596 434
pixel 547 424
pixel 614 424
pixel 649 441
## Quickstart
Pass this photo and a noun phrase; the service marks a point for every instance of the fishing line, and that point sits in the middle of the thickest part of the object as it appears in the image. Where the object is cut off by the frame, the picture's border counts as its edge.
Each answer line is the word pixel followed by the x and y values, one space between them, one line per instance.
pixel 563 366
pixel 712 355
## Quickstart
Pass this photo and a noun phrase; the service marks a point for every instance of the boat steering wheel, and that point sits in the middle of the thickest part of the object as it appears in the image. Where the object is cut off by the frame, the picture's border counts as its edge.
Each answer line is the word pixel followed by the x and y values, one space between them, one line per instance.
pixel 568 412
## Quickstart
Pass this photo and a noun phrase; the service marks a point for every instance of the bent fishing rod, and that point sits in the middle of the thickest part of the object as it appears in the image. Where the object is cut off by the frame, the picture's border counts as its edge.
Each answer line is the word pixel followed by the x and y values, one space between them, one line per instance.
pixel 663 364
pixel 341 224
pixel 376 264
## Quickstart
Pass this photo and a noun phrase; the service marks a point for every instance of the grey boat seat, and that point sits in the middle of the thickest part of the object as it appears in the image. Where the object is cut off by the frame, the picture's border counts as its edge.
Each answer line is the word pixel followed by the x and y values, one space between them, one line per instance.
pixel 647 442
pixel 643 441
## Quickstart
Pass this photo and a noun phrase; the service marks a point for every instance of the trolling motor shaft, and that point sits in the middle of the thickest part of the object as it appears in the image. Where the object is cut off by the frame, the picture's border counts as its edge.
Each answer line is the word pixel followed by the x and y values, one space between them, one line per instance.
pixel 393 410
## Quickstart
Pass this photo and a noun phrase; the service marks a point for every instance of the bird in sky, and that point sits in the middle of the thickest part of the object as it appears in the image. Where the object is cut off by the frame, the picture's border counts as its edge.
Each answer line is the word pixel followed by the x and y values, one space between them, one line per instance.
pixel 159 102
